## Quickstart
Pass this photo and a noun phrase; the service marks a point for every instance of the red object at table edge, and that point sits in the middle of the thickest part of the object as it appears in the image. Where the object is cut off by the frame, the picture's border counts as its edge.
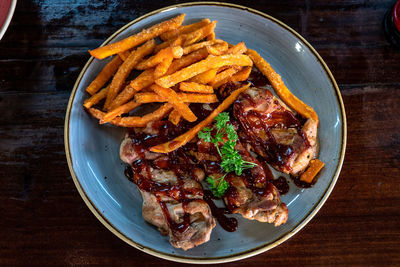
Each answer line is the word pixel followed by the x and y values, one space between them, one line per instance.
pixel 4 10
pixel 396 15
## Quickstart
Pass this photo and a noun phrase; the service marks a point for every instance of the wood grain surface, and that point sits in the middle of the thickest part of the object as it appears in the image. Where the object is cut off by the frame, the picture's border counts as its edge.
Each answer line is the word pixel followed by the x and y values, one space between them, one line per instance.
pixel 45 222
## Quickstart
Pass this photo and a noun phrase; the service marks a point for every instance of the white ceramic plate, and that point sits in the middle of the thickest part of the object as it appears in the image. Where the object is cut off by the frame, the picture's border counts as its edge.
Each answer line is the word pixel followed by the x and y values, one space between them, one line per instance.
pixel 93 150
pixel 7 8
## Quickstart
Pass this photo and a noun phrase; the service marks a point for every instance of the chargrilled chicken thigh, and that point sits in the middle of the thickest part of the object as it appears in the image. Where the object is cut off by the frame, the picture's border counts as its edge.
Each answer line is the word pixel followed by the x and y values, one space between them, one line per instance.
pixel 251 194
pixel 273 131
pixel 171 189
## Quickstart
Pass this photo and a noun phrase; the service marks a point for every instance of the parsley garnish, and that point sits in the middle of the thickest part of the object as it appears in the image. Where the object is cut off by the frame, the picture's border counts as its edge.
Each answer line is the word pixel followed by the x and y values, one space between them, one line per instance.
pixel 231 161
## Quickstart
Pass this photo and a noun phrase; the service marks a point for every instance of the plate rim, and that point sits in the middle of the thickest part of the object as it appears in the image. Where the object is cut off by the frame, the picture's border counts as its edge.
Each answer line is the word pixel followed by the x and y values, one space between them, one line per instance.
pixel 236 256
pixel 7 22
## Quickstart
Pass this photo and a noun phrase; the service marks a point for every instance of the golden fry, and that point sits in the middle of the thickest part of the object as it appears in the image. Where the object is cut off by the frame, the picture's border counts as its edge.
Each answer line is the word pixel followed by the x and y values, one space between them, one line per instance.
pixel 96 98
pixel 239 76
pixel 172 97
pixel 205 77
pixel 189 135
pixel 315 167
pixel 137 39
pixel 174 117
pixel 124 55
pixel 162 67
pixel 223 76
pixel 199 34
pixel 280 88
pixel 119 78
pixel 126 108
pixel 184 29
pixel 218 49
pixel 239 48
pixel 175 52
pixel 135 121
pixel 145 79
pixel 105 75
pixel 189 49
pixel 196 88
pixel 150 97
pixel 211 36
pixel 210 62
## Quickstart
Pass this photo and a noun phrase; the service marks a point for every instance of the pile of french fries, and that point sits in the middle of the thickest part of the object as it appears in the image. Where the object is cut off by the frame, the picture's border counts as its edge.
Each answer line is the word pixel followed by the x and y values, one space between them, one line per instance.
pixel 186 67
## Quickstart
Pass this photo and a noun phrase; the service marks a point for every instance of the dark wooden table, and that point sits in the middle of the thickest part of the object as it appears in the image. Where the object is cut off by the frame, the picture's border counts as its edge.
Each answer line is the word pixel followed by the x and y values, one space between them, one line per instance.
pixel 44 220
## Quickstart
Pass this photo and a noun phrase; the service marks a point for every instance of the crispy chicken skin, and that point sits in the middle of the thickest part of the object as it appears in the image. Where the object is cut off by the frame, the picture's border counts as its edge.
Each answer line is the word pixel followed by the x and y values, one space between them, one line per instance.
pixel 272 130
pixel 172 196
pixel 251 194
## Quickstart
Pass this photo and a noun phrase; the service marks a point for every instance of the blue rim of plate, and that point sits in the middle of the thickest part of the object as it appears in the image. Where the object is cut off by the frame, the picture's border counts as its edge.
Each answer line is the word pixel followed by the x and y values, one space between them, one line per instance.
pixel 236 256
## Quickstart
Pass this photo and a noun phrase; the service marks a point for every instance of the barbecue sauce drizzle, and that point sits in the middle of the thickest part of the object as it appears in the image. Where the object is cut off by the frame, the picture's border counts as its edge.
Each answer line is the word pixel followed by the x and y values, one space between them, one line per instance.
pixel 168 131
pixel 178 161
pixel 276 154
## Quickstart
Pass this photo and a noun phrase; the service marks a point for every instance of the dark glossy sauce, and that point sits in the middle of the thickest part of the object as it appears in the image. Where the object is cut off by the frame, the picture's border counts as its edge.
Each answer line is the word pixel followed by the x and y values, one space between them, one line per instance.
pixel 282 185
pixel 258 79
pixel 228 224
pixel 268 173
pixel 141 175
pixel 252 122
pixel 177 161
pixel 260 181
pixel 299 183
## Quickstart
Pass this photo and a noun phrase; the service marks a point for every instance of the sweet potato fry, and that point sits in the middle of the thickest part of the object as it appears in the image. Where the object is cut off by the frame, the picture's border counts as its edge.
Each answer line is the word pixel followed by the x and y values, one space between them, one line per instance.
pixel 119 78
pixel 239 48
pixel 174 117
pixel 218 49
pixel 184 29
pixel 172 97
pixel 104 76
pixel 150 97
pixel 196 88
pixel 146 78
pixel 189 49
pixel 187 60
pixel 315 166
pixel 189 135
pixel 172 42
pixel 210 62
pixel 197 98
pixel 205 77
pixel 96 113
pixel 134 121
pixel 199 34
pixel 211 37
pixel 194 38
pixel 162 67
pixel 280 88
pixel 223 76
pixel 239 76
pixel 96 98
pixel 124 55
pixel 126 108
pixel 175 52
pixel 137 39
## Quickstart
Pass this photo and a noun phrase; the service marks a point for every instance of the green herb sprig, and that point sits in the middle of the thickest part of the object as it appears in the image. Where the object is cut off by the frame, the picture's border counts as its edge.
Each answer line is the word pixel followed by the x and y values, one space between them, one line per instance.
pixel 231 161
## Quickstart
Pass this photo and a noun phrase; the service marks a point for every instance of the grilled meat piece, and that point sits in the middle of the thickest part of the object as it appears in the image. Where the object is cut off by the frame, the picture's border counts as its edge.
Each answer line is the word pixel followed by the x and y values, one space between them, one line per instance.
pixel 251 194
pixel 273 131
pixel 173 202
pixel 170 187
